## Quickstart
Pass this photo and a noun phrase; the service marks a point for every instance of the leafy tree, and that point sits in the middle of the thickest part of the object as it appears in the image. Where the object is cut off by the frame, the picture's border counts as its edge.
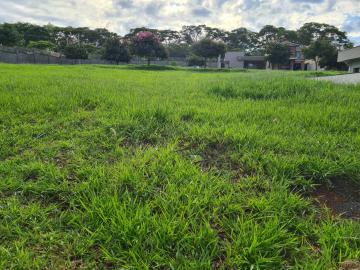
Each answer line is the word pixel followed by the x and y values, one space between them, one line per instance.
pixel 216 34
pixel 270 33
pixel 135 31
pixel 75 51
pixel 178 50
pixel 193 33
pixel 208 48
pixel 9 36
pixel 195 60
pixel 116 51
pixel 35 33
pixel 323 52
pixel 169 36
pixel 243 39
pixel 147 44
pixel 312 31
pixel 42 45
pixel 277 53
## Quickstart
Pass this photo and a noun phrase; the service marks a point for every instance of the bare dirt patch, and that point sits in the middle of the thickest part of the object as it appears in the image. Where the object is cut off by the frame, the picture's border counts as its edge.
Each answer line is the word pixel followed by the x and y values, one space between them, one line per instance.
pixel 350 265
pixel 342 197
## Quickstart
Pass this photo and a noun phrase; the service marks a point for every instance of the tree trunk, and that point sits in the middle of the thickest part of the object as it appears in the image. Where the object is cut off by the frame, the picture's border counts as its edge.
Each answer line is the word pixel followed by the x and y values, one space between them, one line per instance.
pixel 317 60
pixel 148 61
pixel 205 63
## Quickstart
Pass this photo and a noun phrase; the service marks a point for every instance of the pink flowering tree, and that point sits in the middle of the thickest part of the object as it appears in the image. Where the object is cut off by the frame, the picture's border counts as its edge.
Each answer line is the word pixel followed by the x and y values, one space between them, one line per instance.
pixel 147 44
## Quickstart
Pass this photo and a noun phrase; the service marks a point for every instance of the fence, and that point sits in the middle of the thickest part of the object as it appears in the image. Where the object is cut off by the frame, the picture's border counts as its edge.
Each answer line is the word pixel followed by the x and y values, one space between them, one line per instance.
pixel 33 56
pixel 14 55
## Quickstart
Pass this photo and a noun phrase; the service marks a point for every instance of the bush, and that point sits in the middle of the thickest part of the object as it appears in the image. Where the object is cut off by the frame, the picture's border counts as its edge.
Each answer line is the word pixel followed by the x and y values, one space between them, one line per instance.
pixel 208 48
pixel 75 51
pixel 116 51
pixel 196 61
pixel 42 45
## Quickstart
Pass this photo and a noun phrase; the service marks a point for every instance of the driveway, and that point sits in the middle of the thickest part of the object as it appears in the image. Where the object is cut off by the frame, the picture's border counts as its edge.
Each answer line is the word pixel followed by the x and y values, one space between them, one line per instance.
pixel 353 78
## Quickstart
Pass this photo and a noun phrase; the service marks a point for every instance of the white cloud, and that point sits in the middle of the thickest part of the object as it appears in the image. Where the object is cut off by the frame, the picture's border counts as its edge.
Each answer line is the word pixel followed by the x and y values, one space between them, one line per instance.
pixel 121 15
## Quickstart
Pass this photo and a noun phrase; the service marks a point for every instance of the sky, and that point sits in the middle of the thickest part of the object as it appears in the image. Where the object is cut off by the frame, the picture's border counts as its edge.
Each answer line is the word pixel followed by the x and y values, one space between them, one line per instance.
pixel 121 15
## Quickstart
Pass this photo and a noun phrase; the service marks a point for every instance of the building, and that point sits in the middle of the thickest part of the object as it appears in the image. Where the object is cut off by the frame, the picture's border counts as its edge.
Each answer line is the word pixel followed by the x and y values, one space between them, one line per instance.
pixel 296 61
pixel 351 57
pixel 236 59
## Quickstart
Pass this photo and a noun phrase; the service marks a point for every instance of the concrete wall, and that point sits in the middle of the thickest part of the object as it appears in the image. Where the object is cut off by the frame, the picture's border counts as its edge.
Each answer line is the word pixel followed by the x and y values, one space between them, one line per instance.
pixel 349 54
pixel 29 56
pixel 234 59
pixel 351 57
pixel 353 66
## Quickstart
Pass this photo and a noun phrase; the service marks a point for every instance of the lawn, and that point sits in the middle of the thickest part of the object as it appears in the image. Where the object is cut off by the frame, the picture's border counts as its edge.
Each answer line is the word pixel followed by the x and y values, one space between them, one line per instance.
pixel 106 167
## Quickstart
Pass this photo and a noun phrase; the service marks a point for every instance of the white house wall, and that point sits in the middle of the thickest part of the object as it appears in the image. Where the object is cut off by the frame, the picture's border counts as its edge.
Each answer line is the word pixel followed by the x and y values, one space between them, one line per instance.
pixel 233 59
pixel 354 65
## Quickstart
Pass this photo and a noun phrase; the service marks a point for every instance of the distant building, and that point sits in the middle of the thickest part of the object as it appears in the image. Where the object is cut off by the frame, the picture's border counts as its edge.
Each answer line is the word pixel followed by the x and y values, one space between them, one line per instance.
pixel 236 59
pixel 351 57
pixel 296 61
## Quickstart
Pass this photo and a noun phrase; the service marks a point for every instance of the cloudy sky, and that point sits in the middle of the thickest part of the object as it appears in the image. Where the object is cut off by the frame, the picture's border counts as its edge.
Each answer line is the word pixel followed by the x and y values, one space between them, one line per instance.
pixel 121 15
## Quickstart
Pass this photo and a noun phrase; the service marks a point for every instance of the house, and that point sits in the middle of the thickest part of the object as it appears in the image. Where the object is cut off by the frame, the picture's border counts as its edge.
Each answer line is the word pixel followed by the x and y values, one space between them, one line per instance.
pixel 351 57
pixel 296 61
pixel 236 59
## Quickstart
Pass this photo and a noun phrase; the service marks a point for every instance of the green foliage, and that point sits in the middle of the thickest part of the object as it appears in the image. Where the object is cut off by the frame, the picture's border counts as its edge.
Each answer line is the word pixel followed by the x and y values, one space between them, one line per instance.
pixel 243 39
pixel 270 34
pixel 322 52
pixel 311 32
pixel 195 60
pixel 147 44
pixel 277 53
pixel 177 43
pixel 42 45
pixel 116 51
pixel 9 36
pixel 75 51
pixel 109 167
pixel 208 48
pixel 178 50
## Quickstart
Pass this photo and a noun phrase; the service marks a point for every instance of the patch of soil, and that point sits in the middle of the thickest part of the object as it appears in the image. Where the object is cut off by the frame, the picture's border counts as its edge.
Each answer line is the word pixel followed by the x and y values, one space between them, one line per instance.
pixel 342 197
pixel 350 265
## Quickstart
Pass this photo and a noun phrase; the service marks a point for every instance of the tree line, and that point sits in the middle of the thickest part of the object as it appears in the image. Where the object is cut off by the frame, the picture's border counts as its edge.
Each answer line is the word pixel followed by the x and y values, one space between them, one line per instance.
pixel 195 42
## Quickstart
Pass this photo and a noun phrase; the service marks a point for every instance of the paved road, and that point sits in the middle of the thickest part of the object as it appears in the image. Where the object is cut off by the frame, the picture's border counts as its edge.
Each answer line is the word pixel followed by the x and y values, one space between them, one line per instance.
pixel 347 78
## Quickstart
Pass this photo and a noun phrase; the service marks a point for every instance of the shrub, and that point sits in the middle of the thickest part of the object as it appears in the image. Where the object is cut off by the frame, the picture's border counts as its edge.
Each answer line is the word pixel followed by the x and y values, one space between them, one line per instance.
pixel 195 61
pixel 75 51
pixel 42 45
pixel 116 51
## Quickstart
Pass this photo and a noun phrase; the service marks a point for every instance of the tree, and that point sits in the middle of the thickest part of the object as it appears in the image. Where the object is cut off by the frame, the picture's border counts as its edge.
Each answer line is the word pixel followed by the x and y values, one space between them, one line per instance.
pixel 243 39
pixel 147 44
pixel 42 45
pixel 195 60
pixel 34 32
pixel 75 51
pixel 208 48
pixel 169 36
pixel 270 33
pixel 178 50
pixel 277 53
pixel 9 36
pixel 312 31
pixel 193 33
pixel 116 51
pixel 322 52
pixel 216 34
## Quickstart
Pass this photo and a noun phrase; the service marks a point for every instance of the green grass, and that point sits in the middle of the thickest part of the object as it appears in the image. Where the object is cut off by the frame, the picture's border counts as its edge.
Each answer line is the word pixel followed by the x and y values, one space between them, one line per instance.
pixel 128 168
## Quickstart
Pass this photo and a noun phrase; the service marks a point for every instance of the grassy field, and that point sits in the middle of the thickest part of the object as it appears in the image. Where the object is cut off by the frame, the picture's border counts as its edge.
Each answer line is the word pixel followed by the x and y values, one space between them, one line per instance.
pixel 107 167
